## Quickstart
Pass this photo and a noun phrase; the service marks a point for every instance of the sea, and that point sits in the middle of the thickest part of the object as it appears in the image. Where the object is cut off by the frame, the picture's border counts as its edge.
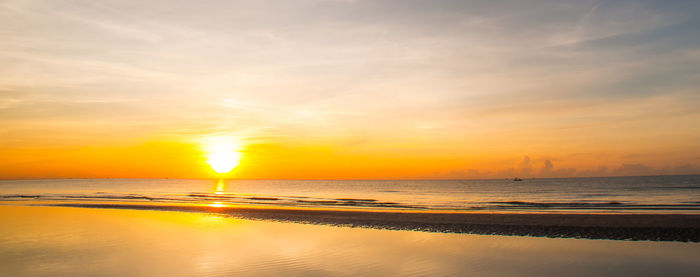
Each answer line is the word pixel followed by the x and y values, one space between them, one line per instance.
pixel 640 194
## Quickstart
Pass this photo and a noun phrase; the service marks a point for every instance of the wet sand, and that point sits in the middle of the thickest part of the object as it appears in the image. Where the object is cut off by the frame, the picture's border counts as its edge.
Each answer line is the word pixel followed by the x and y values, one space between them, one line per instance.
pixel 653 227
pixel 63 241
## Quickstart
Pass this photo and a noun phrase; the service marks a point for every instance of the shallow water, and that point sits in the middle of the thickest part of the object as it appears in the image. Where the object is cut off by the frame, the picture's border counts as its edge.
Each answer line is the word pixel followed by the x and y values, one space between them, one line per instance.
pixel 652 194
pixel 59 241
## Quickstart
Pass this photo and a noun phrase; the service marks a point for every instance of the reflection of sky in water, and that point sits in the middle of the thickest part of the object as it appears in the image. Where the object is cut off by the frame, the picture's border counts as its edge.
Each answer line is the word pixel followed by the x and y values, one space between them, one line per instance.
pixel 71 241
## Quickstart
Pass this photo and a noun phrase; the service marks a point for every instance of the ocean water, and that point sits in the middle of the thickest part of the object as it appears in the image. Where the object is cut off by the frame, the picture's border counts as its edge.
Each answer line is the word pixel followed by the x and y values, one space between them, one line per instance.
pixel 650 194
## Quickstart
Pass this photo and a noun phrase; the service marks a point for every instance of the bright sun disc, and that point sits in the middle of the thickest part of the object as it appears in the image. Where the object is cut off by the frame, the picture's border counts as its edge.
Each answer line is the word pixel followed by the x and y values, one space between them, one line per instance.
pixel 222 155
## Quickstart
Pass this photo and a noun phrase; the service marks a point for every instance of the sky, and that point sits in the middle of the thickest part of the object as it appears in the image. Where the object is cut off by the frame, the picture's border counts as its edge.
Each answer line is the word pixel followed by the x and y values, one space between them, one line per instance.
pixel 343 89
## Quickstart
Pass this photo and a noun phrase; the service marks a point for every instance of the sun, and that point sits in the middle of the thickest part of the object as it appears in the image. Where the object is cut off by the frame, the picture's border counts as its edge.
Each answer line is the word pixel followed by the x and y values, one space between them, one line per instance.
pixel 222 154
pixel 223 161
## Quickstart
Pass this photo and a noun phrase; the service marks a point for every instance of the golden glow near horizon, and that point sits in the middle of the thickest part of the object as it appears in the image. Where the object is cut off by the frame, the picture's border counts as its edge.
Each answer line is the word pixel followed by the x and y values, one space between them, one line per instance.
pixel 306 90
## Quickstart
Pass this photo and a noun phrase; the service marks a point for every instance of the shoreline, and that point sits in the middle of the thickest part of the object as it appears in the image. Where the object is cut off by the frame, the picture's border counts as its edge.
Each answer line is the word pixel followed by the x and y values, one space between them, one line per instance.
pixel 650 227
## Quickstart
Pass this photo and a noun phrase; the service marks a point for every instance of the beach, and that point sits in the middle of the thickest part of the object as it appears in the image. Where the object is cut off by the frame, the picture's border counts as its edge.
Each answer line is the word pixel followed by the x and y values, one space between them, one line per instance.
pixel 630 226
pixel 70 241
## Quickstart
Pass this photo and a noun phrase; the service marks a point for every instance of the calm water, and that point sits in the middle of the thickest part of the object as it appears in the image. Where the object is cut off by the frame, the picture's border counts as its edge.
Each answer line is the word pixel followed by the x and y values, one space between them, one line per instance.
pixel 656 194
pixel 59 241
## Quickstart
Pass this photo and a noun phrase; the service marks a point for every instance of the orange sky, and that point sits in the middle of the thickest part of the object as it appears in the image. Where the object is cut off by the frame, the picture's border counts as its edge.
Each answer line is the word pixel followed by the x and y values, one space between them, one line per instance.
pixel 349 89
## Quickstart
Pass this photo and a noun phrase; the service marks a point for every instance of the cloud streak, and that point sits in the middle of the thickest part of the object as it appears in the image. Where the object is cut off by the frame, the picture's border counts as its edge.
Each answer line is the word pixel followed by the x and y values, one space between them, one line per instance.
pixel 471 83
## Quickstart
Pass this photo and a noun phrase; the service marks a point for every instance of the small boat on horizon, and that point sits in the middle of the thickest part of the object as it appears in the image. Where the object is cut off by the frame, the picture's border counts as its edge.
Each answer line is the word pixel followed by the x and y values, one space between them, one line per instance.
pixel 516 179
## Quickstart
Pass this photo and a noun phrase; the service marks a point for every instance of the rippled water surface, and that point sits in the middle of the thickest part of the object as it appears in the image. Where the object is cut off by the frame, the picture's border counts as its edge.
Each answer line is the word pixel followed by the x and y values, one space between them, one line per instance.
pixel 657 194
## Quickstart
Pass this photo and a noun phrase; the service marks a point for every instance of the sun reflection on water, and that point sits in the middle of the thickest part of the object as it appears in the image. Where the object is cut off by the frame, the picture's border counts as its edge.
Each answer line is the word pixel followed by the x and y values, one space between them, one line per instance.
pixel 217 205
pixel 220 187
pixel 219 190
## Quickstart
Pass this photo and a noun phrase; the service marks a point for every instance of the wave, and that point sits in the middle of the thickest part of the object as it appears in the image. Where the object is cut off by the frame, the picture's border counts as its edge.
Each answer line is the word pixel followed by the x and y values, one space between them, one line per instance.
pixel 590 205
pixel 200 198
pixel 355 203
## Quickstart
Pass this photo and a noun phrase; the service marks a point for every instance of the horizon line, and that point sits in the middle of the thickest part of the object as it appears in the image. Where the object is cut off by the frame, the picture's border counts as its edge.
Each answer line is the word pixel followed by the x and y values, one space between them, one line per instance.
pixel 359 179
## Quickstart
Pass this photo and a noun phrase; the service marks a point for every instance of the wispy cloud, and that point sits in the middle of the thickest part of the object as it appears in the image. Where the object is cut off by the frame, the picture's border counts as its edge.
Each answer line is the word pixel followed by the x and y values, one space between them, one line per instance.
pixel 478 79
